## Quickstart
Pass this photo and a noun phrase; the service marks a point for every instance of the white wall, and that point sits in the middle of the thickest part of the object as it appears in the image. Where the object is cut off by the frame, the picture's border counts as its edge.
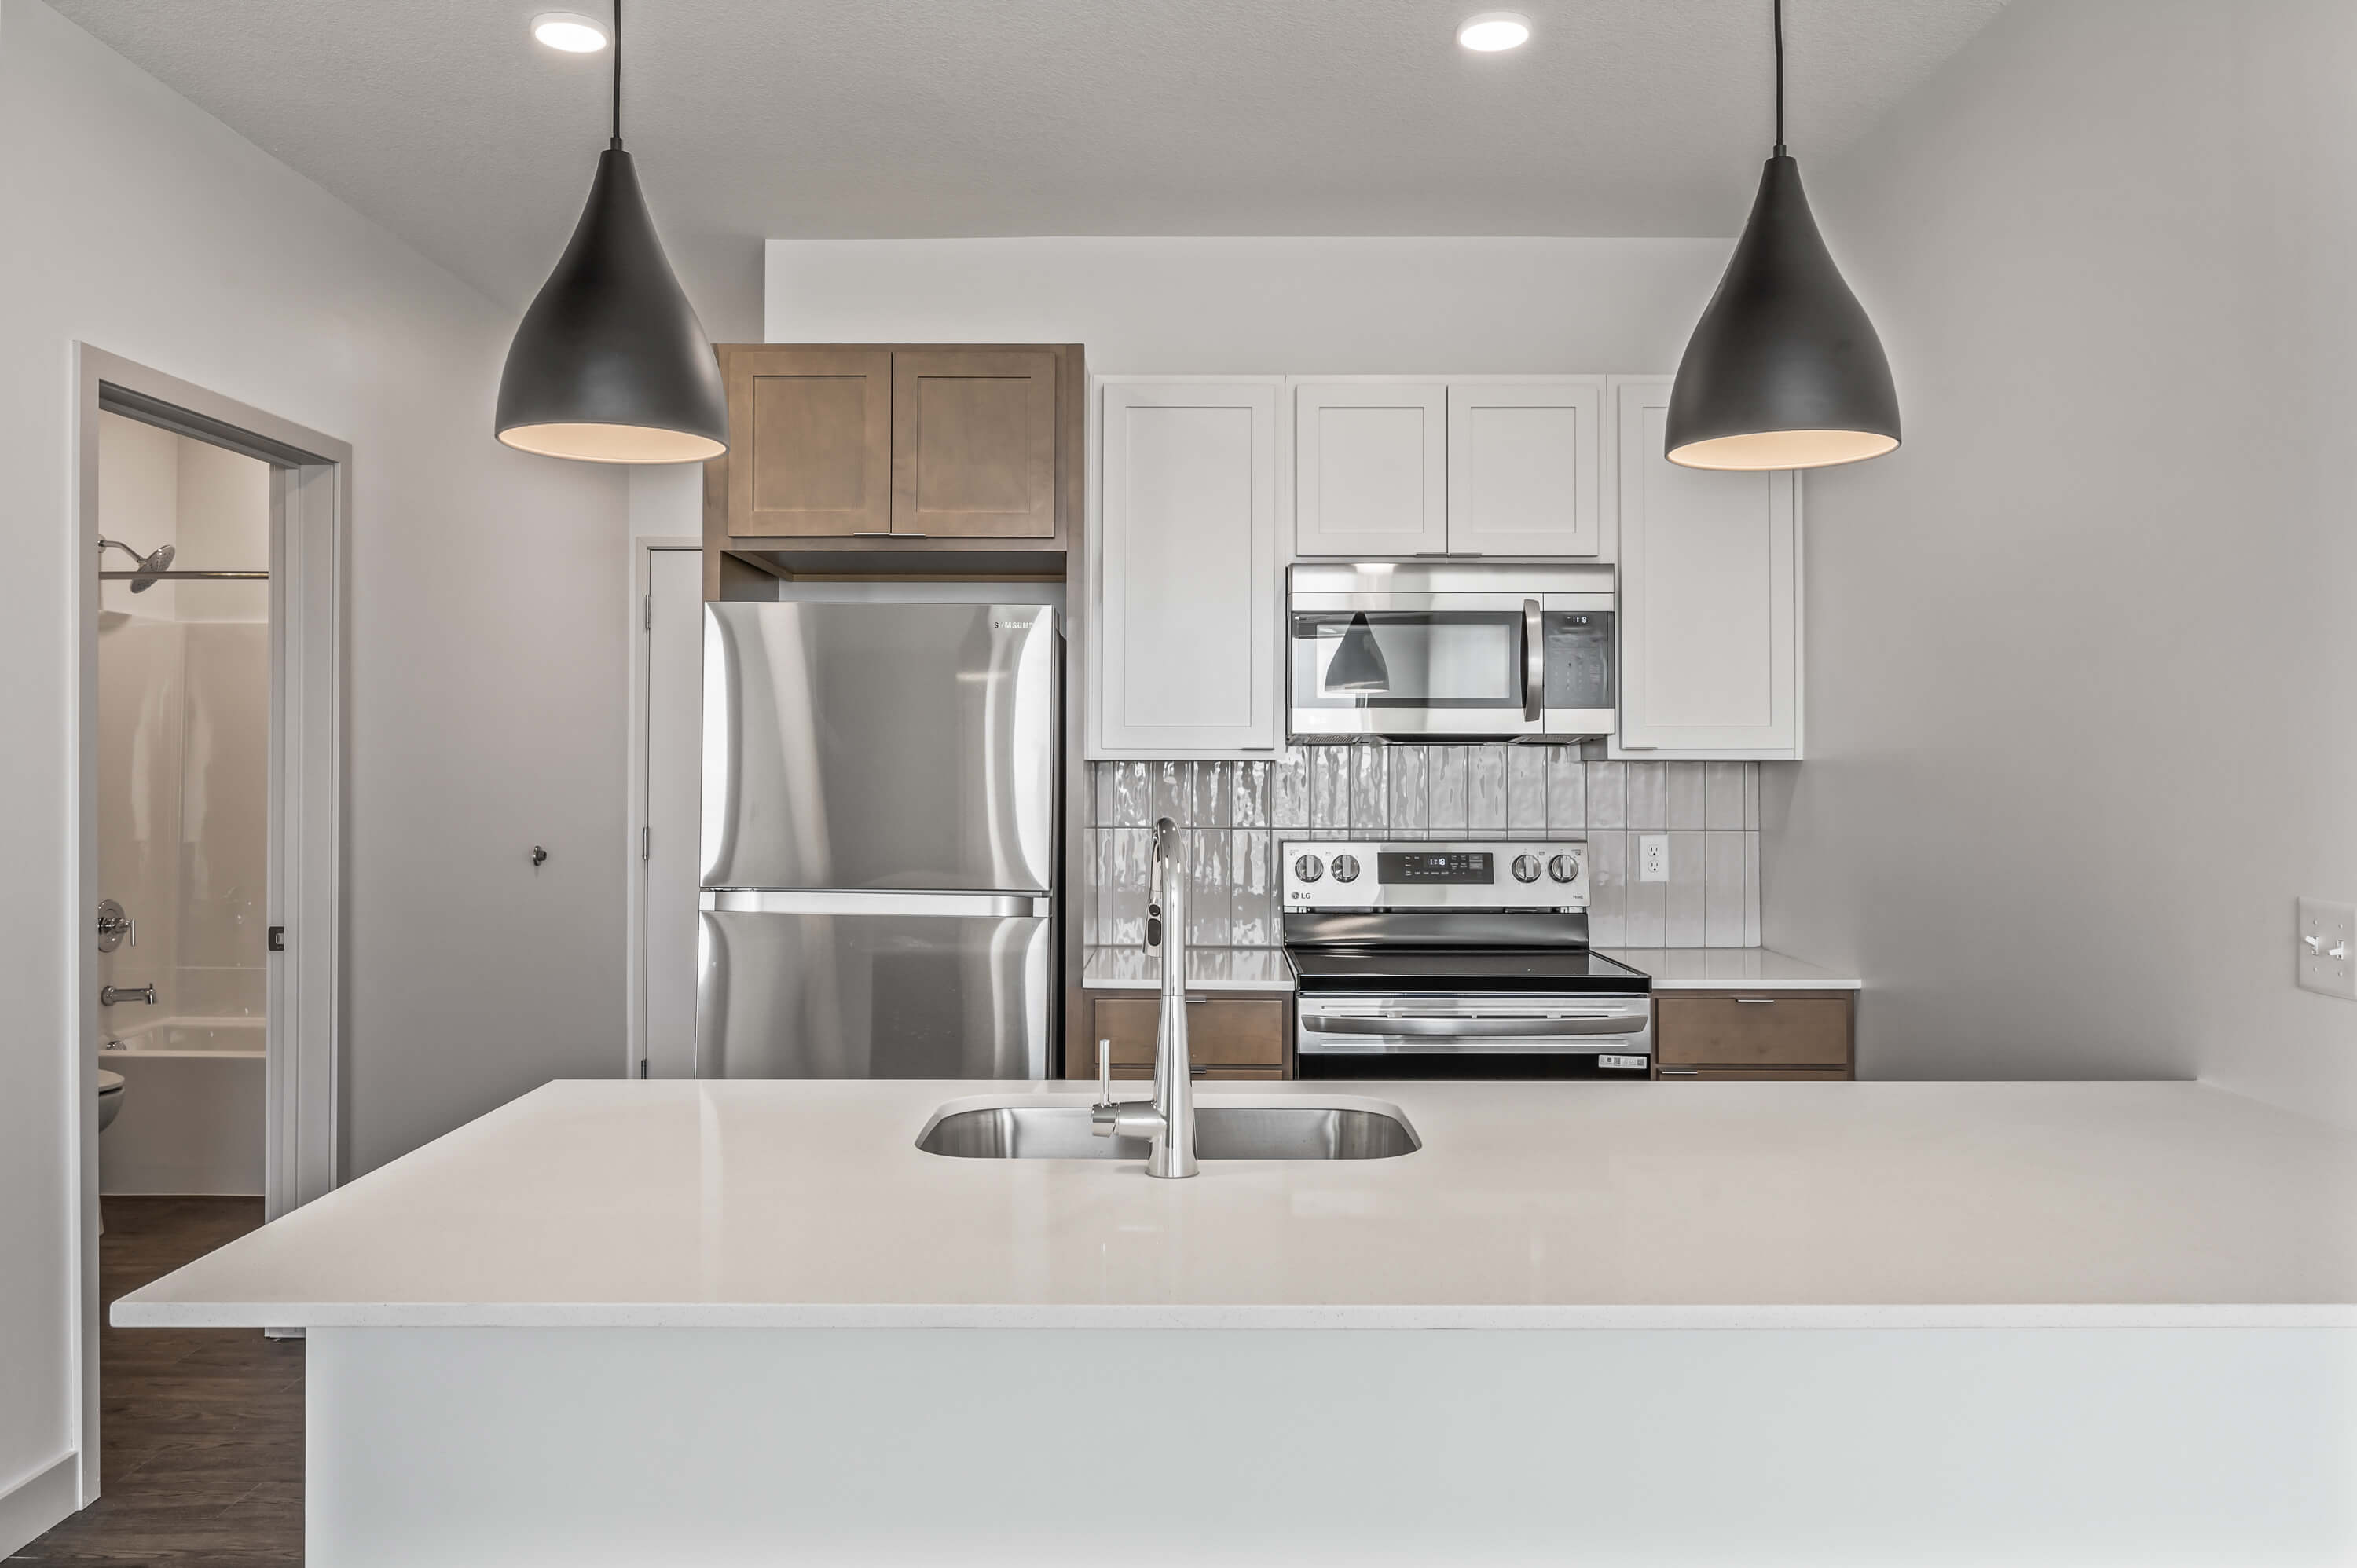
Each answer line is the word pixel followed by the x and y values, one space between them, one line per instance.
pixel 485 647
pixel 2081 654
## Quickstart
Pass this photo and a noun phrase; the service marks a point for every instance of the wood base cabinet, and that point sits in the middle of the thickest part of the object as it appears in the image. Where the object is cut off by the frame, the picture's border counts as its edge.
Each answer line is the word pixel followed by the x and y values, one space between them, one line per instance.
pixel 1800 1035
pixel 1230 1034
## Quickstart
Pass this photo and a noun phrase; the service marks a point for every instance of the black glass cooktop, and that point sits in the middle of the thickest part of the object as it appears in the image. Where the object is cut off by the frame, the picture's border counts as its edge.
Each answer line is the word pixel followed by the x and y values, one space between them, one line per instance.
pixel 1463 969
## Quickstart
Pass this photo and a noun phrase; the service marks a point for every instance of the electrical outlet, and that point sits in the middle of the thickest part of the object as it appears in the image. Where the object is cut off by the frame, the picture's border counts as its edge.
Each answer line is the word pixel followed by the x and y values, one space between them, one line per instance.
pixel 2328 948
pixel 1652 857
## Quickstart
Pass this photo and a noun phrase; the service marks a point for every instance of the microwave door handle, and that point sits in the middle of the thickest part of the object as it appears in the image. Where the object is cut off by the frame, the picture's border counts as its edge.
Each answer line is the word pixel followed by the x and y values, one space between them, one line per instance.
pixel 1533 663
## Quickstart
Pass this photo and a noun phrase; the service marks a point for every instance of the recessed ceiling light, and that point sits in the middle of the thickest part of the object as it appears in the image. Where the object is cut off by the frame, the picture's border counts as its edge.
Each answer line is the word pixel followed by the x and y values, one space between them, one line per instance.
pixel 569 31
pixel 1494 30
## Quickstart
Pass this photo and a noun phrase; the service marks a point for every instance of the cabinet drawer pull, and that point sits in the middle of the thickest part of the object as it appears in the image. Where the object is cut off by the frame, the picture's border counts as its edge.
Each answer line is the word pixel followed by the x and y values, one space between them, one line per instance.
pixel 1757 1001
pixel 1680 1072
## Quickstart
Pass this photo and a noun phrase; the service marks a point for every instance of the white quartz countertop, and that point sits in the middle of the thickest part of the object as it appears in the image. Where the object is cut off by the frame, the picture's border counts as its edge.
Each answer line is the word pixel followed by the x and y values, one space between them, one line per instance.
pixel 1730 969
pixel 1530 1205
pixel 1212 969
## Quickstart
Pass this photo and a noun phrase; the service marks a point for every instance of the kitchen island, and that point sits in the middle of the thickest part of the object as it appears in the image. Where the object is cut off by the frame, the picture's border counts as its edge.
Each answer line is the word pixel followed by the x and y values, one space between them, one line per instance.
pixel 624 1323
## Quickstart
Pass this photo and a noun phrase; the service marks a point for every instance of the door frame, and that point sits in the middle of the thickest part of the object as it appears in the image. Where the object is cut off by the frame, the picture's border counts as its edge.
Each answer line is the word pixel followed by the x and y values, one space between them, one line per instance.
pixel 310 511
pixel 634 965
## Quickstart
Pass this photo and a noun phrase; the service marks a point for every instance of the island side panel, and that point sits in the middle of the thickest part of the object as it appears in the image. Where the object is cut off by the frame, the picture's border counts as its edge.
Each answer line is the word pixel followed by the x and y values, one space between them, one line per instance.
pixel 609 1446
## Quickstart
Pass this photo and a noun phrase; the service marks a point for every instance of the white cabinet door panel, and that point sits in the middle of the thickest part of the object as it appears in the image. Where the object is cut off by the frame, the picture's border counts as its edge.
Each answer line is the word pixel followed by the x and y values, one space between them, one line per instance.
pixel 1524 468
pixel 1186 621
pixel 1370 468
pixel 1709 596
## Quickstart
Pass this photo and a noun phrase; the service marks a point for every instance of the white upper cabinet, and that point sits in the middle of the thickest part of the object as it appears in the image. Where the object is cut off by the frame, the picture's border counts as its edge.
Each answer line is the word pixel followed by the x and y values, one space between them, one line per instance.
pixel 1370 468
pixel 1183 637
pixel 1474 467
pixel 1524 470
pixel 1710 614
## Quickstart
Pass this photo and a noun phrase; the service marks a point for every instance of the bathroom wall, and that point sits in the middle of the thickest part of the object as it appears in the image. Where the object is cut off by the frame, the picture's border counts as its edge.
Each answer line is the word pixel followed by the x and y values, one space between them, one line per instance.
pixel 184 726
pixel 1236 813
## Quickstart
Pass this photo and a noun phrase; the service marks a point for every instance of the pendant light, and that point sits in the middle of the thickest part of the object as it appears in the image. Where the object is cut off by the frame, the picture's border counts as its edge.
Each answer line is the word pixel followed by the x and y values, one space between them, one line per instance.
pixel 1358 664
pixel 610 365
pixel 1784 370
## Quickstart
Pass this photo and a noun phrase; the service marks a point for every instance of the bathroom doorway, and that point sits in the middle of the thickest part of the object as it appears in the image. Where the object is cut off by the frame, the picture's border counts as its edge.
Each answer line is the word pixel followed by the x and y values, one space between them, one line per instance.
pixel 206 936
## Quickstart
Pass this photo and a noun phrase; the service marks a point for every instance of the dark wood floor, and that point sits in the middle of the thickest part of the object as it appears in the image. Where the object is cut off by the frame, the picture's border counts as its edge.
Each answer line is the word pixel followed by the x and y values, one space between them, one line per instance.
pixel 201 1430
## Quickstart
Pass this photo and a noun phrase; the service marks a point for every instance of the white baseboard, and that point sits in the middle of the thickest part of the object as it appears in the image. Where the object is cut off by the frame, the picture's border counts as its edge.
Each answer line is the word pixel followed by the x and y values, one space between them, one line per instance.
pixel 40 1501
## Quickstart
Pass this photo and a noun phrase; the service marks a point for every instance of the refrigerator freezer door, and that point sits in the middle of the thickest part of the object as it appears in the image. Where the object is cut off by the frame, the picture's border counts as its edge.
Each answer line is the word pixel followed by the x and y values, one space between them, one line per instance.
pixel 873 985
pixel 880 746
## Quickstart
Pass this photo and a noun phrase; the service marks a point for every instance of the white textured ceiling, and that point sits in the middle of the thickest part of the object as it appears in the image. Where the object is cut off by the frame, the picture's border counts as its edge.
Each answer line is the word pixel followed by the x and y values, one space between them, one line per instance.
pixel 750 118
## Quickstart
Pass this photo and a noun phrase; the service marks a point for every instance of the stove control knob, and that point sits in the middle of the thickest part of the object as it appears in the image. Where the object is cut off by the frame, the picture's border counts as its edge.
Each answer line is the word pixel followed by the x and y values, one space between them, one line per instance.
pixel 1309 868
pixel 1346 868
pixel 1563 868
pixel 1526 868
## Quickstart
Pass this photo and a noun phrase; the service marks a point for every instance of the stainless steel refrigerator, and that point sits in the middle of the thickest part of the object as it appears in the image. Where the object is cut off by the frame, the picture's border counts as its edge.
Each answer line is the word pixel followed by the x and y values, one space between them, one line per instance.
pixel 878 841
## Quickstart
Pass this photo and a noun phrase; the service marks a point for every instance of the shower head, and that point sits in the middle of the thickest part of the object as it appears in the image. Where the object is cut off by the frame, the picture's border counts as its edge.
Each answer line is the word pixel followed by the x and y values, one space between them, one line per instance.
pixel 151 566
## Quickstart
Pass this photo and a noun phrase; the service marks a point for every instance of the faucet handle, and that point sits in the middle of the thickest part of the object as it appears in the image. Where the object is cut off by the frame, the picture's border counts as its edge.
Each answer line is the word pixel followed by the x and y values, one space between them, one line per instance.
pixel 1104 1072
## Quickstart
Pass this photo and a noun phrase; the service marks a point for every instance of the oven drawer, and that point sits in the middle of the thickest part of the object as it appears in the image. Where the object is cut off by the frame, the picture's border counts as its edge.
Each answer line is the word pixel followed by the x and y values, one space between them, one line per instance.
pixel 1753 1030
pixel 1506 1024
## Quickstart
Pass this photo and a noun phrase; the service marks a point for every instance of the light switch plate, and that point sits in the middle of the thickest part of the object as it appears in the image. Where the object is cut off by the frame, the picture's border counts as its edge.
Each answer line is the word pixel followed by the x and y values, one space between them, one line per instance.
pixel 2328 948
pixel 1652 857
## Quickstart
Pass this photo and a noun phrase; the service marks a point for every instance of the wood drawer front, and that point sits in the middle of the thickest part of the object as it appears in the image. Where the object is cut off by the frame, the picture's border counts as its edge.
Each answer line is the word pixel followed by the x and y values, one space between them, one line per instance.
pixel 1212 1074
pixel 1775 1031
pixel 1757 1074
pixel 1244 1032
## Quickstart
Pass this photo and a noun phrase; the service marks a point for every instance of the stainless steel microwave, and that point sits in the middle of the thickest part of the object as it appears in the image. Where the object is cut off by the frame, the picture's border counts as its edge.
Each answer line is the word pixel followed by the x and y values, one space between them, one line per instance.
pixel 1466 650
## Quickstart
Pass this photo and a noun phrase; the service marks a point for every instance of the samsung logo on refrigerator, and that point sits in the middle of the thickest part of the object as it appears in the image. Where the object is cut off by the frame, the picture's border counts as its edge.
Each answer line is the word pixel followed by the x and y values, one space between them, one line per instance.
pixel 1012 625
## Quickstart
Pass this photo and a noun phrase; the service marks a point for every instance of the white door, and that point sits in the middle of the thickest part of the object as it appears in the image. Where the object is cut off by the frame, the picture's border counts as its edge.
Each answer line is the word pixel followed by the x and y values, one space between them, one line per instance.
pixel 1183 641
pixel 1523 468
pixel 1370 468
pixel 674 731
pixel 1709 596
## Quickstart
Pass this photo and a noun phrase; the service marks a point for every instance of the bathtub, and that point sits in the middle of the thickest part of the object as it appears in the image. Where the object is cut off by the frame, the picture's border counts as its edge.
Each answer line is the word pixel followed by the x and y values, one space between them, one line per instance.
pixel 193 1107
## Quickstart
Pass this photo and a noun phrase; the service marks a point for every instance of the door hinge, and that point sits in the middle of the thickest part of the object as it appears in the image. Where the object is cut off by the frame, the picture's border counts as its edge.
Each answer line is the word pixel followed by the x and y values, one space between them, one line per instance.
pixel 647 843
pixel 647 613
pixel 277 938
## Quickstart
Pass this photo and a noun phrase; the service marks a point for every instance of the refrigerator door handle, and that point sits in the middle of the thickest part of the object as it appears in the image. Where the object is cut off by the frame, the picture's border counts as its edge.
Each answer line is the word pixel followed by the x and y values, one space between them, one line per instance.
pixel 797 901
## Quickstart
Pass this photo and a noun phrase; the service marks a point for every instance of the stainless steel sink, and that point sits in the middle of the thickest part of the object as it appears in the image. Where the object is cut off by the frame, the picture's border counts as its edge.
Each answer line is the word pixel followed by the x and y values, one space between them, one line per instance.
pixel 1222 1132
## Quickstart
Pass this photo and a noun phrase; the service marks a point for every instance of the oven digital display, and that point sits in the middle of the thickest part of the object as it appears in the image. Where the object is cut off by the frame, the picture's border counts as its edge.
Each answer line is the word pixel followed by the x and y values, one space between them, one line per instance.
pixel 1395 867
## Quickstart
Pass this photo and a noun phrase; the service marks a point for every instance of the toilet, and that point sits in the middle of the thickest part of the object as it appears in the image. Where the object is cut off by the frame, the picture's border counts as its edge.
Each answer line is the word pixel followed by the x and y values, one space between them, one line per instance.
pixel 109 1097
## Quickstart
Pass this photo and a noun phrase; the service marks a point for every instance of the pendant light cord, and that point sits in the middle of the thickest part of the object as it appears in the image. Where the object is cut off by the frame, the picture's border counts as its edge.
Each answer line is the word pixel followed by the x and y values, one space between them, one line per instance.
pixel 618 76
pixel 1780 76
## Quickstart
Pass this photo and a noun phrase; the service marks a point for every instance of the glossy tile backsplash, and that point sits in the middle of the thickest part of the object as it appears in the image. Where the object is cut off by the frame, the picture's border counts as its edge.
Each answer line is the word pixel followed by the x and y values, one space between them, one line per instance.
pixel 1234 814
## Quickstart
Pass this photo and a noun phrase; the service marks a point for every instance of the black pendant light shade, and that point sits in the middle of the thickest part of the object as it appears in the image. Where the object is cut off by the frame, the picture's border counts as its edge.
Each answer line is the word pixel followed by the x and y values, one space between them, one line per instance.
pixel 610 365
pixel 1358 664
pixel 1784 369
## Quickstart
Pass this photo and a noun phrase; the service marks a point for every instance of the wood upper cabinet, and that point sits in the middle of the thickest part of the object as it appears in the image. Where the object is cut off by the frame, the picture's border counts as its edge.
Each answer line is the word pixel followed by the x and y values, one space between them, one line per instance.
pixel 1524 468
pixel 811 430
pixel 1182 639
pixel 973 443
pixel 1370 468
pixel 1710 610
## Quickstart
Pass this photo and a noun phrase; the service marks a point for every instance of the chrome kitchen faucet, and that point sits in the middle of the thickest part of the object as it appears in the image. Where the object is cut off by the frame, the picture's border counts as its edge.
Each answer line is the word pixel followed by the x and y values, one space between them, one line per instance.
pixel 1168 1118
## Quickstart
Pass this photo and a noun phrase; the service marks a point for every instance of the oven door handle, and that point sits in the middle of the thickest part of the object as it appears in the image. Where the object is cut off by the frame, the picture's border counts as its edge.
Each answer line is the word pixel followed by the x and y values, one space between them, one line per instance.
pixel 1533 663
pixel 1480 1028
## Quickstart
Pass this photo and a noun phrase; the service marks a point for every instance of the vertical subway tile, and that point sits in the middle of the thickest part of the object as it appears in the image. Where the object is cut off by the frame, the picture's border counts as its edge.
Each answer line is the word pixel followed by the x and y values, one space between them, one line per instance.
pixel 1608 795
pixel 1751 796
pixel 1485 788
pixel 1133 854
pixel 1099 803
pixel 1689 897
pixel 1752 890
pixel 1410 791
pixel 1097 878
pixel 1445 791
pixel 1608 895
pixel 1648 802
pixel 1370 810
pixel 1168 787
pixel 1567 788
pixel 1685 794
pixel 1207 888
pixel 1329 786
pixel 1248 794
pixel 1288 789
pixel 1649 906
pixel 1132 796
pixel 1207 801
pixel 1723 791
pixel 1251 903
pixel 1526 782
pixel 1725 879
